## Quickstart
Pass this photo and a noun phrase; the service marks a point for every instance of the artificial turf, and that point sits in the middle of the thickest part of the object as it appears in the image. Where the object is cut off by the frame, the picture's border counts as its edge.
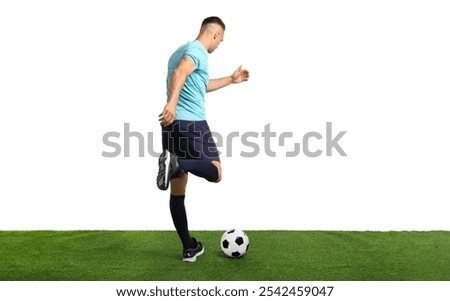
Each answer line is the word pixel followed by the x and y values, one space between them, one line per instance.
pixel 272 256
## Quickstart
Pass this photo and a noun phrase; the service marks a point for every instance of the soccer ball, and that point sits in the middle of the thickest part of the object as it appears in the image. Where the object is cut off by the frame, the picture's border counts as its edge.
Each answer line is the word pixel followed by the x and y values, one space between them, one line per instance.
pixel 234 243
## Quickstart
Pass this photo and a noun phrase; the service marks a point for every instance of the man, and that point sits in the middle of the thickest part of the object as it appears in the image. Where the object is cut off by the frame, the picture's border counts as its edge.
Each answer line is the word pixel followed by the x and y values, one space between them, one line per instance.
pixel 187 141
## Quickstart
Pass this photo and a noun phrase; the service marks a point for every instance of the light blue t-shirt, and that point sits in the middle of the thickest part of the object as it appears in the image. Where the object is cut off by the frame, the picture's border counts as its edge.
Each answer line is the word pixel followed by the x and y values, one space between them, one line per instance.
pixel 191 103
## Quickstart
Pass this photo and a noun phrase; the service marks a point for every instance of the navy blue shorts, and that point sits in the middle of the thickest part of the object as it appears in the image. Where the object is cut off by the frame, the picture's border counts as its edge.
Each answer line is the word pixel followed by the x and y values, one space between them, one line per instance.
pixel 190 140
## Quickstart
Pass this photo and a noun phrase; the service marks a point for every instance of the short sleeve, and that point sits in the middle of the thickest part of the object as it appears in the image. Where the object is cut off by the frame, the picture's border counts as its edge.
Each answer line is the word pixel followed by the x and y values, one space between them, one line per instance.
pixel 194 55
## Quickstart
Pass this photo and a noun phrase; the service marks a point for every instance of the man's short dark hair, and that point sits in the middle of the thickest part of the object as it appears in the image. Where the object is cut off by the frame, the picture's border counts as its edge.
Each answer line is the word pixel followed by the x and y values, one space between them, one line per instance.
pixel 213 20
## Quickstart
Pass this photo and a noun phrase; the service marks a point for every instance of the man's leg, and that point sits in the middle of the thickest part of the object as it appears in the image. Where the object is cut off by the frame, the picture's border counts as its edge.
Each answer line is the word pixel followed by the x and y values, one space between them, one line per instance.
pixel 171 167
pixel 178 185
pixel 178 210
pixel 191 247
pixel 219 170
pixel 209 170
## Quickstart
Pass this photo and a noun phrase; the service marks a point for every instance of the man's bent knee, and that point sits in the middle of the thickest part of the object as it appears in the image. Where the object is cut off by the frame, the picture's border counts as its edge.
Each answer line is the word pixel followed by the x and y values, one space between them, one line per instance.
pixel 219 170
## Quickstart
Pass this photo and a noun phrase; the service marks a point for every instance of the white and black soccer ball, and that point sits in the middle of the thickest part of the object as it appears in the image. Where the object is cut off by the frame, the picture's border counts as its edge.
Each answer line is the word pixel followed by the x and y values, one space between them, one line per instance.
pixel 234 243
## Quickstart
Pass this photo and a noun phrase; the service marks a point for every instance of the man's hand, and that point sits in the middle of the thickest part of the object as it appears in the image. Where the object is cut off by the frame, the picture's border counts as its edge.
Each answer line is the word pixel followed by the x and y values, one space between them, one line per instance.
pixel 240 75
pixel 168 115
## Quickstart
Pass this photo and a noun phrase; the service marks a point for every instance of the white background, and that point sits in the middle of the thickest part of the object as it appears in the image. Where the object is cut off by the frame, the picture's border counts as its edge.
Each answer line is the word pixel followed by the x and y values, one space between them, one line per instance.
pixel 70 71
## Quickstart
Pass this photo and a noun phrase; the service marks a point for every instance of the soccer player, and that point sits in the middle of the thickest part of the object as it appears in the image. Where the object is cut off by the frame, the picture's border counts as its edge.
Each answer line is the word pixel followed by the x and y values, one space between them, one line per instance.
pixel 188 146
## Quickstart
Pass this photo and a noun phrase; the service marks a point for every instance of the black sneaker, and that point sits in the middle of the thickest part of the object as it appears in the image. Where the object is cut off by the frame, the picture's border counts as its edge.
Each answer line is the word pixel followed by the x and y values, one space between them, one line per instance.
pixel 190 255
pixel 168 169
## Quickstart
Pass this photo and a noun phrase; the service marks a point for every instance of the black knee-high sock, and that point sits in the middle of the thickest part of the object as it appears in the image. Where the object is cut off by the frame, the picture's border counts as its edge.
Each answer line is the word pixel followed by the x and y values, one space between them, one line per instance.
pixel 179 218
pixel 200 168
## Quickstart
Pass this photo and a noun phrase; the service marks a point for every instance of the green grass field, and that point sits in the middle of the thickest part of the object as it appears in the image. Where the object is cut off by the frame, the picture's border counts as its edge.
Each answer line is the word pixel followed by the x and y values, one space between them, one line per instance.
pixel 273 256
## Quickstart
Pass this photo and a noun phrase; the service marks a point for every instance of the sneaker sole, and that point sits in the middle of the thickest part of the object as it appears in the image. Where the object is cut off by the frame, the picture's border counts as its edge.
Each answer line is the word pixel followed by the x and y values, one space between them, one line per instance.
pixel 167 169
pixel 166 162
pixel 193 259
